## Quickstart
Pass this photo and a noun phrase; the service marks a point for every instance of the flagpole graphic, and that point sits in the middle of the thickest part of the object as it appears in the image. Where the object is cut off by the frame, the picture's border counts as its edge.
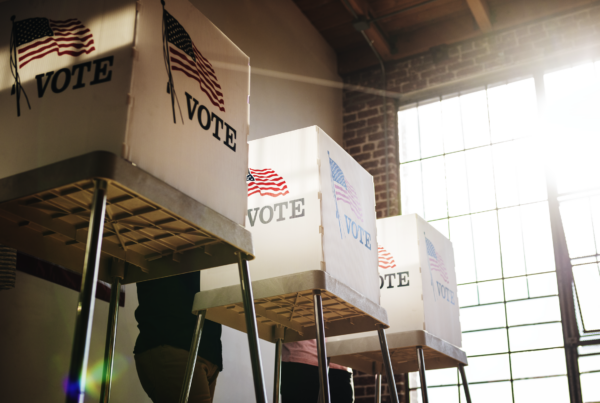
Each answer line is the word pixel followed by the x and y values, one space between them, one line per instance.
pixel 170 87
pixel 337 213
pixel 14 68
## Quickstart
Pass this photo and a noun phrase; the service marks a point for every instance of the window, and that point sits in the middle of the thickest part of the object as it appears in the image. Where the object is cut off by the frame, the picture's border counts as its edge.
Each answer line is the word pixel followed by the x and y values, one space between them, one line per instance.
pixel 473 165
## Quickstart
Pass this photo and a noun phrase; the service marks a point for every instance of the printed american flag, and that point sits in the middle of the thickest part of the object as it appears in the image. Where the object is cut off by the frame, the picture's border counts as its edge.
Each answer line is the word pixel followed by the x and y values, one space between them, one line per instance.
pixel 435 261
pixel 344 191
pixel 266 182
pixel 386 260
pixel 39 37
pixel 186 58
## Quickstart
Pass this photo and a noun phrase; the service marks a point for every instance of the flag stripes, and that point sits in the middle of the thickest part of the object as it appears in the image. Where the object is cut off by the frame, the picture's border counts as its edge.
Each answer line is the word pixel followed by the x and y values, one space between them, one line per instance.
pixel 386 260
pixel 187 59
pixel 344 191
pixel 266 182
pixel 69 37
pixel 435 261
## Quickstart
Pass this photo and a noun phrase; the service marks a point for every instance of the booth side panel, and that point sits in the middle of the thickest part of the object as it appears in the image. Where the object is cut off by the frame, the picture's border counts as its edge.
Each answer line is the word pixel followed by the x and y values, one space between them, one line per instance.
pixel 440 299
pixel 189 119
pixel 283 209
pixel 62 102
pixel 348 203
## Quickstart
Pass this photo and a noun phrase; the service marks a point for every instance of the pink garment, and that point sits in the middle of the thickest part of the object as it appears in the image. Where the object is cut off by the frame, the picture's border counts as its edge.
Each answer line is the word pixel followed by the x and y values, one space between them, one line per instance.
pixel 304 352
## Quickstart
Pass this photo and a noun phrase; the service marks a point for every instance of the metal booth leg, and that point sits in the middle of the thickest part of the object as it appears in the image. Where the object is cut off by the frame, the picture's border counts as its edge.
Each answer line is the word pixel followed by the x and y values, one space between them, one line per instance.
pixel 378 388
pixel 87 296
pixel 461 368
pixel 191 364
pixel 252 330
pixel 277 381
pixel 321 349
pixel 111 337
pixel 387 361
pixel 421 360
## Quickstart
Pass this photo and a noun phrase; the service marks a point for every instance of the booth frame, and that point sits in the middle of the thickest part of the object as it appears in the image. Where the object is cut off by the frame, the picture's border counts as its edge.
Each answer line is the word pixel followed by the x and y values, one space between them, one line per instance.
pixel 138 227
pixel 298 307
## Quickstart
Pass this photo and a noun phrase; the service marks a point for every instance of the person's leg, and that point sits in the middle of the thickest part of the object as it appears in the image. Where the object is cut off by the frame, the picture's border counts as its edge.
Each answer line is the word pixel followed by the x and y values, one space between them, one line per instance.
pixel 161 371
pixel 340 382
pixel 299 383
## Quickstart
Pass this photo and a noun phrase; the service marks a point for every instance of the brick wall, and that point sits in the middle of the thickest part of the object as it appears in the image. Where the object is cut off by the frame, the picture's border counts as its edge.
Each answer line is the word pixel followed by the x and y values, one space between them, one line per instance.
pixel 363 111
pixel 468 62
pixel 364 388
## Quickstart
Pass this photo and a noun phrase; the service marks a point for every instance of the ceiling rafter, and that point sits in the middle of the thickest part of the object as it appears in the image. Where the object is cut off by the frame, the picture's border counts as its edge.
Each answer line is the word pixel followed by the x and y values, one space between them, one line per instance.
pixel 481 12
pixel 377 38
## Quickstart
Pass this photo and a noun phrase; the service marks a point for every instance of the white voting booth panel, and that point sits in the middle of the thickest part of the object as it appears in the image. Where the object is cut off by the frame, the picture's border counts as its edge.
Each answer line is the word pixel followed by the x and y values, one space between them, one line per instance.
pixel 311 206
pixel 162 88
pixel 417 279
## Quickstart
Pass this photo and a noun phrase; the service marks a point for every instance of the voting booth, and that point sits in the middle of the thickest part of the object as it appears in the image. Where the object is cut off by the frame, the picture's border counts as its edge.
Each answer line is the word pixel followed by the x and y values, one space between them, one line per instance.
pixel 311 212
pixel 418 289
pixel 124 145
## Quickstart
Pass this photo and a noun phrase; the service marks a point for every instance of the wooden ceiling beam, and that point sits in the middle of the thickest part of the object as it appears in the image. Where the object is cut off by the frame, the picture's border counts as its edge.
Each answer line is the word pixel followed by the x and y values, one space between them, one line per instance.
pixel 377 38
pixel 481 12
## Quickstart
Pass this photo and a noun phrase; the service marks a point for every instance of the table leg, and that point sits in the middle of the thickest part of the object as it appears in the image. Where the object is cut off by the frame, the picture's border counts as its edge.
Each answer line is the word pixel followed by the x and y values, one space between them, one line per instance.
pixel 193 355
pixel 111 337
pixel 87 296
pixel 252 330
pixel 387 361
pixel 378 388
pixel 321 349
pixel 421 360
pixel 277 381
pixel 463 375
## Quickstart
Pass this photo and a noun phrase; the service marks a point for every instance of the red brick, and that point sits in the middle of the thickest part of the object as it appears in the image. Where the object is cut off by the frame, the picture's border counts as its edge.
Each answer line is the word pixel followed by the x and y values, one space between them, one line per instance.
pixel 435 72
pixel 461 64
pixel 469 71
pixel 368 147
pixel 466 47
pixel 355 125
pixel 367 113
pixel 366 130
pixel 354 150
pixel 370 164
pixel 532 38
pixel 349 118
pixel 474 53
pixel 355 141
pixel 444 78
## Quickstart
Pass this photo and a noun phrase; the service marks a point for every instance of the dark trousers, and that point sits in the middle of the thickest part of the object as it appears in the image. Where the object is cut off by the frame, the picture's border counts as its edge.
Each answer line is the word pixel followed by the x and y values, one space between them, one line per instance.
pixel 300 384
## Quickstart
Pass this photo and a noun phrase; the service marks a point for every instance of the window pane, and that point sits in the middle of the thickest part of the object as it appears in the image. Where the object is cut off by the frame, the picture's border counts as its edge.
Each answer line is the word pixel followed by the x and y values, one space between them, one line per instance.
pixel 491 291
pixel 513 110
pixel 595 207
pixel 537 237
pixel 488 368
pixel 476 130
pixel 480 173
pixel 467 295
pixel 587 284
pixel 511 239
pixel 462 241
pixel 577 221
pixel 547 390
pixel 505 174
pixel 485 342
pixel 535 337
pixel 411 188
pixel 497 392
pixel 487 245
pixel 452 125
pixel 586 364
pixel 532 311
pixel 442 226
pixel 531 170
pixel 448 376
pixel 430 128
pixel 541 285
pixel 408 129
pixel 446 394
pixel 538 363
pixel 434 188
pixel 482 317
pixel 456 183
pixel 590 387
pixel 516 288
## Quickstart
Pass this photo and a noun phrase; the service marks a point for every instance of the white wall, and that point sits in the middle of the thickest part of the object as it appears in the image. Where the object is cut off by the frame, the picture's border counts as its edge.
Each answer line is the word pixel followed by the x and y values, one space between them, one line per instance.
pixel 288 57
pixel 281 42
